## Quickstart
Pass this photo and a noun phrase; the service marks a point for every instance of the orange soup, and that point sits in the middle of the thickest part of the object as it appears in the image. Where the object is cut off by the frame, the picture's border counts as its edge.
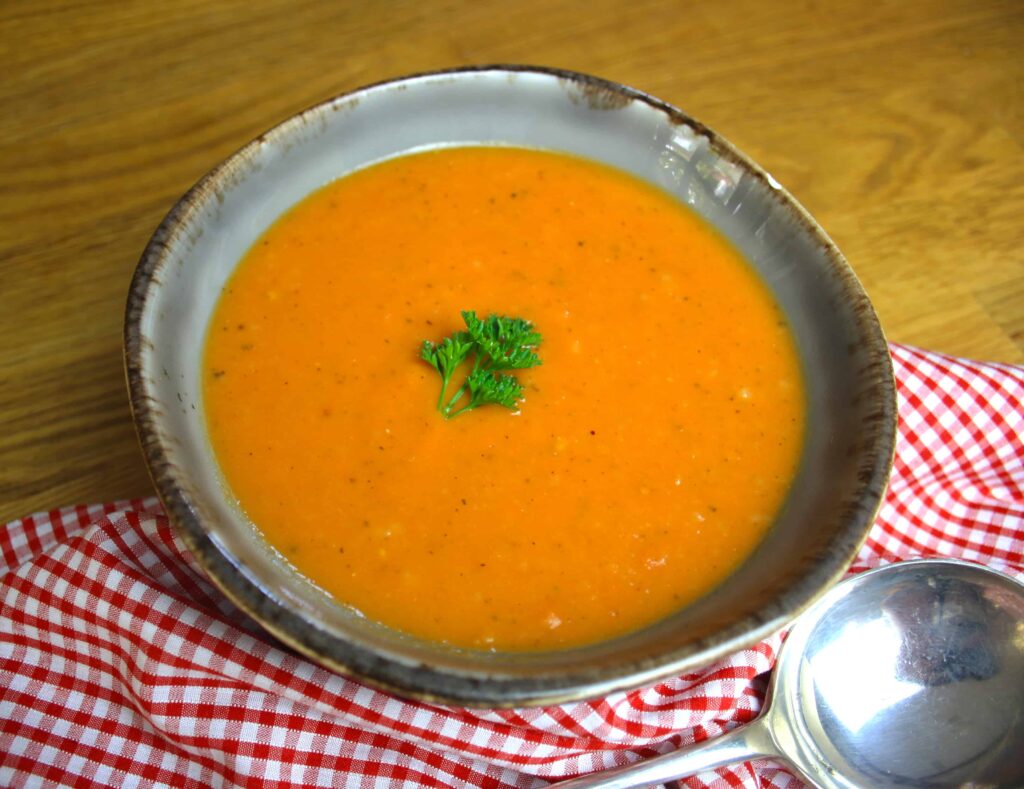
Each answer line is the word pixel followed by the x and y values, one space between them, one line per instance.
pixel 650 453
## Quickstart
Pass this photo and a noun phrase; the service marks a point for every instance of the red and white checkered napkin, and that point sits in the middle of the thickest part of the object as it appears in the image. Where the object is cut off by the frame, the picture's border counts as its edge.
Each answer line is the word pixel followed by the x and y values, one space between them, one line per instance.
pixel 121 665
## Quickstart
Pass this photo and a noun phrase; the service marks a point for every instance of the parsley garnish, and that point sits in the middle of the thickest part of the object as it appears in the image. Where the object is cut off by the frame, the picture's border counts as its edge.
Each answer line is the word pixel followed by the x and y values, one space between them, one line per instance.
pixel 495 343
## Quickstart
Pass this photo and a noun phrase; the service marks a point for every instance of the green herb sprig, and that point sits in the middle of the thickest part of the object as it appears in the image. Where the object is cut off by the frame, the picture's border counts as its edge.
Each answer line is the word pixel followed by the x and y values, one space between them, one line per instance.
pixel 494 343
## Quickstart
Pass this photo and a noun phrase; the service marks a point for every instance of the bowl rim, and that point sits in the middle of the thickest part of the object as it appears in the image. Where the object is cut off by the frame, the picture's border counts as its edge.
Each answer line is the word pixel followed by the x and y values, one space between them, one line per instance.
pixel 423 682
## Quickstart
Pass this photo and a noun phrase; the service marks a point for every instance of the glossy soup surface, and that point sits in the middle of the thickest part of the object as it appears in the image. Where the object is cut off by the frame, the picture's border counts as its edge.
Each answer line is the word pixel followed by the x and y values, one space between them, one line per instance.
pixel 655 445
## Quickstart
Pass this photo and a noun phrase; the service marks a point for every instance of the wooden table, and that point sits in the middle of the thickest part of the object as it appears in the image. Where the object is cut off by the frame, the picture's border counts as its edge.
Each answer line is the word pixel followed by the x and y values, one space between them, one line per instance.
pixel 898 124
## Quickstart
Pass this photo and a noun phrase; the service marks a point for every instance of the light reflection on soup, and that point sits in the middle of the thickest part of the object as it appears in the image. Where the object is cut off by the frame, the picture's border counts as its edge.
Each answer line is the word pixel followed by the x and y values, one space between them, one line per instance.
pixel 655 445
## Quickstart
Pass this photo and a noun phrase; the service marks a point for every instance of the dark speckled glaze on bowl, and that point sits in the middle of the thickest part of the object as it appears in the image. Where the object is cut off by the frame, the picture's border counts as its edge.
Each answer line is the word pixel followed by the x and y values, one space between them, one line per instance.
pixel 851 392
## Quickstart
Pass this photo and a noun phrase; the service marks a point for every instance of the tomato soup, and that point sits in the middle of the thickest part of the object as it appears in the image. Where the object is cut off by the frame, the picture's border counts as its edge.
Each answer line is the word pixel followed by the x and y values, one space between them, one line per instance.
pixel 650 452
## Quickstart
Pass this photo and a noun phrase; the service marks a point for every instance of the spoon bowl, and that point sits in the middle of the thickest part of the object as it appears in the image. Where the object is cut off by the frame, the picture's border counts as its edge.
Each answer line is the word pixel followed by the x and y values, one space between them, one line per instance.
pixel 908 675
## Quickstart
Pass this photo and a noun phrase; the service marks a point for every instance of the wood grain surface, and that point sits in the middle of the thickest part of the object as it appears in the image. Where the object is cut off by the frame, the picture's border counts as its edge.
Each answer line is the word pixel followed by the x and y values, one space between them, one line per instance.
pixel 899 125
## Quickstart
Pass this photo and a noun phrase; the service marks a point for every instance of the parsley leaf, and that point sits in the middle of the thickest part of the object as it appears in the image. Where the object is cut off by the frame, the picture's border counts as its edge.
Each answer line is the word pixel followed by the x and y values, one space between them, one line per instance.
pixel 494 343
pixel 446 356
pixel 508 341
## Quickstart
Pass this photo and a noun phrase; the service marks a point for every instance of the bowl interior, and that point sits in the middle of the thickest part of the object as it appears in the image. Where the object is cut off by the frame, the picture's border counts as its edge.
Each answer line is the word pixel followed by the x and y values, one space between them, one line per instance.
pixel 850 394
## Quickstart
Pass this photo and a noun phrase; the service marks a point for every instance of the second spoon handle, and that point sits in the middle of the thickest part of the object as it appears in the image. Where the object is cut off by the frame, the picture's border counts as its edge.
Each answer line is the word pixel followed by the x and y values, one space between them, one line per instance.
pixel 752 741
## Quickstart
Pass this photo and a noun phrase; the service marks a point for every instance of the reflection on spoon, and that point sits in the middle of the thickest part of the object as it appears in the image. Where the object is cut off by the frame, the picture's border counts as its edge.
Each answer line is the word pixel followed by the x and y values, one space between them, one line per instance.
pixel 911 675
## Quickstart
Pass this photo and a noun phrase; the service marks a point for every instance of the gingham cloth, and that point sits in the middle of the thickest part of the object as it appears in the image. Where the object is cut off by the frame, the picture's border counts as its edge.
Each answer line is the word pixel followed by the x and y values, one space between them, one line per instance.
pixel 120 664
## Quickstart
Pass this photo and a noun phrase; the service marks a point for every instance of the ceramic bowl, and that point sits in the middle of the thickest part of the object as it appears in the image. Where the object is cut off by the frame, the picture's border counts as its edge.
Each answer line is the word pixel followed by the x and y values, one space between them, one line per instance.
pixel 850 438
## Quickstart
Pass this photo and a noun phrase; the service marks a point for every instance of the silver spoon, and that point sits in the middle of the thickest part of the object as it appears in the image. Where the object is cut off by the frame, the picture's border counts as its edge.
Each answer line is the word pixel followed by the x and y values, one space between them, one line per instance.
pixel 911 675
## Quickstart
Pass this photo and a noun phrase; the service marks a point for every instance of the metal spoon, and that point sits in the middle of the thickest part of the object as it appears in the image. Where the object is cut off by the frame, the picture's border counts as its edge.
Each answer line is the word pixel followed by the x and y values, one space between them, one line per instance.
pixel 911 675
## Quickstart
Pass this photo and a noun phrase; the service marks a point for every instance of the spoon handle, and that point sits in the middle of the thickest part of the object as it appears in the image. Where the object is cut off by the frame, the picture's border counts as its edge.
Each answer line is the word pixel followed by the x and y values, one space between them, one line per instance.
pixel 752 741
